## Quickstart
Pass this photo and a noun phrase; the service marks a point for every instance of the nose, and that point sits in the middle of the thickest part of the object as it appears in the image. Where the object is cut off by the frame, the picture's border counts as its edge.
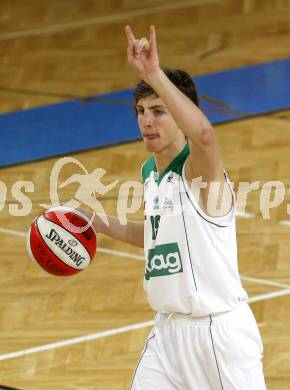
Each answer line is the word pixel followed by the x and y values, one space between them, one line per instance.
pixel 147 119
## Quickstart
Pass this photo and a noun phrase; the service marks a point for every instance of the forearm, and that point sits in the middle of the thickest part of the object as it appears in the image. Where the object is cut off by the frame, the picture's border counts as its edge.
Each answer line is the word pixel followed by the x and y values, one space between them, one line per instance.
pixel 186 114
pixel 131 233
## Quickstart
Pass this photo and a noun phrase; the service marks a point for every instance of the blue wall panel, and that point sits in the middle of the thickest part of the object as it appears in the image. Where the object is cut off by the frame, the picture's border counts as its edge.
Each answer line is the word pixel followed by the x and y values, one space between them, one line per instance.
pixel 72 126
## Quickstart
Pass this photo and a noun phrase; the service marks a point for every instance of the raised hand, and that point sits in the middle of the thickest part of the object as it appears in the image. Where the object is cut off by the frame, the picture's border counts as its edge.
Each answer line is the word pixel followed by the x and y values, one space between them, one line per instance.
pixel 142 54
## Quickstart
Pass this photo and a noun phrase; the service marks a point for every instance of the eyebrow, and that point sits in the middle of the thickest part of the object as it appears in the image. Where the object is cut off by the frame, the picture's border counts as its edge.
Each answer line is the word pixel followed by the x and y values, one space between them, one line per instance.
pixel 151 107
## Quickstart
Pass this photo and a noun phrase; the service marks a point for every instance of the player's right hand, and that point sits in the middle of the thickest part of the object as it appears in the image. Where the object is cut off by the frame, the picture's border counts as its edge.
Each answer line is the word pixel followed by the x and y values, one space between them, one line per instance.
pixel 94 218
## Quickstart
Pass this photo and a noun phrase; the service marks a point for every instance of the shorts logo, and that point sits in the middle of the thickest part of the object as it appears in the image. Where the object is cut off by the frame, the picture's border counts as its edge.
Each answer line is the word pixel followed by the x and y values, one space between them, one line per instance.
pixel 163 260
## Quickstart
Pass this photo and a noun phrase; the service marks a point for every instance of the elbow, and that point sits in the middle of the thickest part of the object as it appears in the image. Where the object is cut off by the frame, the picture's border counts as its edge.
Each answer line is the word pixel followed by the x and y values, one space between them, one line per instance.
pixel 206 136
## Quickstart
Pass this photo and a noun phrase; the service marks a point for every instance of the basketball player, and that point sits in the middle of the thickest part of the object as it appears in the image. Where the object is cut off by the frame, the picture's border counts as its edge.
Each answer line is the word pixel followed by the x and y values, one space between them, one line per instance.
pixel 205 336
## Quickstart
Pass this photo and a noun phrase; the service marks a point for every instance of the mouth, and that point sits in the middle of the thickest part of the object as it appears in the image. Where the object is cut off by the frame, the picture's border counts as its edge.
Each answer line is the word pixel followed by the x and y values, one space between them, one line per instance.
pixel 151 137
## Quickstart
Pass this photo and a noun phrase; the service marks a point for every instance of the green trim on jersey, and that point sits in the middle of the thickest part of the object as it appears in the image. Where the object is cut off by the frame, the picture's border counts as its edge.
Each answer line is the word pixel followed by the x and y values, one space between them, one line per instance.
pixel 175 165
pixel 148 167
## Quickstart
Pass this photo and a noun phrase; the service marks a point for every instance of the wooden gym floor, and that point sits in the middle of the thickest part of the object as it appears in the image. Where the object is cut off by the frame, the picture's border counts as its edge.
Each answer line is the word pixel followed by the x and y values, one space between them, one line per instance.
pixel 84 53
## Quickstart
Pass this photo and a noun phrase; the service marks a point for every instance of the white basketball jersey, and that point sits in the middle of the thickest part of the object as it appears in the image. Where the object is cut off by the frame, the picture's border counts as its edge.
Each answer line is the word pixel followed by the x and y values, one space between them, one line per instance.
pixel 191 258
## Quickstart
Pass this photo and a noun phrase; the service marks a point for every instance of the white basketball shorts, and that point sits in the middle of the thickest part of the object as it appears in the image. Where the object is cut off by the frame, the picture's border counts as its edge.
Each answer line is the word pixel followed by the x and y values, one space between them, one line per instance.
pixel 218 352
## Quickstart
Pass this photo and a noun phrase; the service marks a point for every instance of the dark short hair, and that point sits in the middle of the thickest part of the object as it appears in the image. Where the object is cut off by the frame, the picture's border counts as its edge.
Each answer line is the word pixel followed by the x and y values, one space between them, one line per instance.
pixel 179 78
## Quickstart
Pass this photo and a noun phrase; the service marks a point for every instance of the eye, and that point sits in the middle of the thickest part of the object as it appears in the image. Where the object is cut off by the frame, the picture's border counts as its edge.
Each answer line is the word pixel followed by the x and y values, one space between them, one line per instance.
pixel 158 112
pixel 140 111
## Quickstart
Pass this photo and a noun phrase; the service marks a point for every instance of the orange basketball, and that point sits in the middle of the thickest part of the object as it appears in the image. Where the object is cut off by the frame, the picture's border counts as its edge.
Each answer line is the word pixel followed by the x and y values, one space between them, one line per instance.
pixel 62 241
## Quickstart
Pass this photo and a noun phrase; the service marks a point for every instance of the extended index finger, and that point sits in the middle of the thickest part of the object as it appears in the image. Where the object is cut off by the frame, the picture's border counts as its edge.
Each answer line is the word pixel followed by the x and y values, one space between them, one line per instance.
pixel 129 33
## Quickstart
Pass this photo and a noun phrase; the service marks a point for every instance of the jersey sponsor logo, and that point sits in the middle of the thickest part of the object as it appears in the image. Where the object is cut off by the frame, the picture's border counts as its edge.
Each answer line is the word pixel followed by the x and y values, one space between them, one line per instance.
pixel 163 260
pixel 156 203
pixel 167 205
pixel 170 177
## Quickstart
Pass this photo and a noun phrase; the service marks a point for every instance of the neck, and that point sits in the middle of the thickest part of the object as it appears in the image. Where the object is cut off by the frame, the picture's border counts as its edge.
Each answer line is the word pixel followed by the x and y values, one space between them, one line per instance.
pixel 164 157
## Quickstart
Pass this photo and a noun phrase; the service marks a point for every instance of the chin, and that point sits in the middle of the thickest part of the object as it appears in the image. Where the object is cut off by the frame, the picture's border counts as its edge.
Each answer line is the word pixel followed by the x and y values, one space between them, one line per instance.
pixel 152 148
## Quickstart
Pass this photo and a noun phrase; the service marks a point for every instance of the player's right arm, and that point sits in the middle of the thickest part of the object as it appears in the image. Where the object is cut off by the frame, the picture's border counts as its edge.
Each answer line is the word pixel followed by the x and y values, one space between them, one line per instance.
pixel 132 233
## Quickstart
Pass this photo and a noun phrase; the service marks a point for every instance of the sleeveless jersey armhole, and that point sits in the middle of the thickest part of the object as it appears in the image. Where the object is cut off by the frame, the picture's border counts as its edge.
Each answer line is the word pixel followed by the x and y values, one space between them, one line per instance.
pixel 222 221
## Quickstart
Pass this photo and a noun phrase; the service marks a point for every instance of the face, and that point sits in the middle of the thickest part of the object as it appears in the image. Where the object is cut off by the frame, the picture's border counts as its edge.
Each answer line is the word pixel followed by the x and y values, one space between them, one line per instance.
pixel 159 129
